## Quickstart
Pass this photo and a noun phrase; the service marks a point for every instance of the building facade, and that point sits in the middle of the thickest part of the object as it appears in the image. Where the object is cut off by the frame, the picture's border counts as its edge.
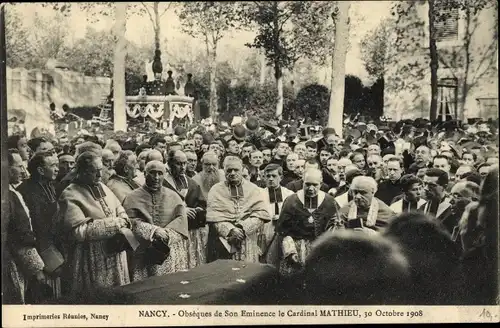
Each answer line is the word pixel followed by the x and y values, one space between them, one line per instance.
pixel 467 46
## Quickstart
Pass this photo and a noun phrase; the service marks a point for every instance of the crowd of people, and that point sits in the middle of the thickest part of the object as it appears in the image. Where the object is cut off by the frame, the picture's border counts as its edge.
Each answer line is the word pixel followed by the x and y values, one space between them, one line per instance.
pixel 405 215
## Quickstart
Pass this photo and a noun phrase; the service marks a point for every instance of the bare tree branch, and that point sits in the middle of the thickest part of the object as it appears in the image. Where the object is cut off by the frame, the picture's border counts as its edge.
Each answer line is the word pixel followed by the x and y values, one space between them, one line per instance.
pixel 149 13
pixel 488 55
pixel 166 9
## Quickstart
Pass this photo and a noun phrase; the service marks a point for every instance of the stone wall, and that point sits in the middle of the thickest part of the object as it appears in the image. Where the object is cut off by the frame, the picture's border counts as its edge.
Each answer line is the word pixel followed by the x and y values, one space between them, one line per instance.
pixel 32 91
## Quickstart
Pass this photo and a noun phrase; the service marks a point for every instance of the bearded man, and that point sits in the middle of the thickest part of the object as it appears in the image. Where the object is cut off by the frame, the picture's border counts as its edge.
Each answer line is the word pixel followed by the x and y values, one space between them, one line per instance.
pixel 210 174
pixel 365 212
pixel 190 192
pixel 159 218
pixel 108 161
pixel 305 216
pixel 237 210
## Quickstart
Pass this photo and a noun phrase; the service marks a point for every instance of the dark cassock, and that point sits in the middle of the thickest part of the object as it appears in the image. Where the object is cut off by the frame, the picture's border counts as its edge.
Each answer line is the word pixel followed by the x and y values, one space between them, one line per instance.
pixel 297 185
pixel 149 210
pixel 40 198
pixel 387 190
pixel 402 204
pixel 302 220
pixel 288 176
pixel 441 210
pixel 192 195
pixel 276 197
pixel 20 260
pixel 329 179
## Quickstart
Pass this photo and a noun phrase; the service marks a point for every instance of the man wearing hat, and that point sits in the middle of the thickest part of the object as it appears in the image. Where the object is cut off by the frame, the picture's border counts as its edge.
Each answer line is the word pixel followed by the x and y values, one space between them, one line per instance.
pixel 323 142
pixel 239 133
pixel 255 132
pixel 291 133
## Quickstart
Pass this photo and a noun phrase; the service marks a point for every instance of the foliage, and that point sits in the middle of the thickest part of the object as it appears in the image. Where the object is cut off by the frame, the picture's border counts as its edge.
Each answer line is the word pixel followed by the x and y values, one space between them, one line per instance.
pixel 313 101
pixel 374 49
pixel 407 51
pixel 353 95
pixel 285 31
pixel 34 48
pixel 16 40
pixel 260 101
pixel 209 20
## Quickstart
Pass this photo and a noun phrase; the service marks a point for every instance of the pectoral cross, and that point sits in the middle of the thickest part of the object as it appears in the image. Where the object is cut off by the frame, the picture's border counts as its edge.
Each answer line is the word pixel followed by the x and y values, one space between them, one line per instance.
pixel 237 206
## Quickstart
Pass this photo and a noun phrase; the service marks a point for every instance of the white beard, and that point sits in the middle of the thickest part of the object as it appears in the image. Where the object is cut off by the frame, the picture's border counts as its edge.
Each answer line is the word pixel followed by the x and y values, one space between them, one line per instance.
pixel 208 180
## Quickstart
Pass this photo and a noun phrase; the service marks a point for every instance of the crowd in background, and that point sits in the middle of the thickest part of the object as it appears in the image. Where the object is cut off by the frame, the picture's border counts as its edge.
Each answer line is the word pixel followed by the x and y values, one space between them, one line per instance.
pixel 400 215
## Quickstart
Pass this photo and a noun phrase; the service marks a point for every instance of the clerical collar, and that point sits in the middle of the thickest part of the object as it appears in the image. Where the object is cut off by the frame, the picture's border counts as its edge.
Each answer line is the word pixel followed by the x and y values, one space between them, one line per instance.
pixel 275 195
pixel 235 191
pixel 15 185
pixel 311 202
pixel 180 181
pixel 49 190
pixel 151 190
pixel 409 205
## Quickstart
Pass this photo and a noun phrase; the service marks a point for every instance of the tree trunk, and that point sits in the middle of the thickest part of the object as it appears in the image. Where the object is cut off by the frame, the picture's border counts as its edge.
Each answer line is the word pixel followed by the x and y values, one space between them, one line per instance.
pixel 336 110
pixel 278 72
pixel 120 116
pixel 263 68
pixel 3 128
pixel 465 78
pixel 213 85
pixel 434 64
pixel 279 103
pixel 157 25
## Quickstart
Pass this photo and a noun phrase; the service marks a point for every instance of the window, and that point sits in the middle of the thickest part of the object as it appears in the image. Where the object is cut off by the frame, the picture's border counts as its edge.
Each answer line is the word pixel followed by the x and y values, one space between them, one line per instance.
pixel 446 22
pixel 447 99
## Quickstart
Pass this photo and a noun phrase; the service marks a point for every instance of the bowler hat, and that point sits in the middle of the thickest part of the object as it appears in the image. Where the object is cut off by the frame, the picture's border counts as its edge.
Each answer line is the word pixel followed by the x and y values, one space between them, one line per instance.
pixel 252 123
pixel 239 132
